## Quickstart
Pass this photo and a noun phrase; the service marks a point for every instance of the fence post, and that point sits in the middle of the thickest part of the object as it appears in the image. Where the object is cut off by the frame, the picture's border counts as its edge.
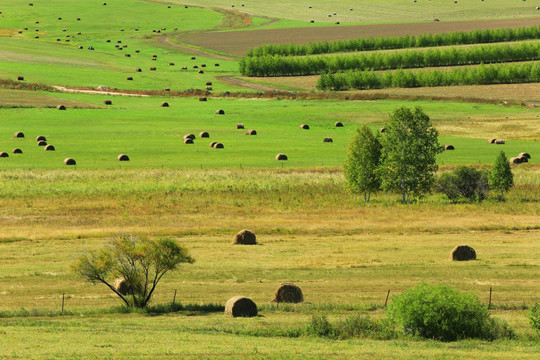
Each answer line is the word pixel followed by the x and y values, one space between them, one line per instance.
pixel 490 291
pixel 63 298
pixel 174 298
pixel 387 295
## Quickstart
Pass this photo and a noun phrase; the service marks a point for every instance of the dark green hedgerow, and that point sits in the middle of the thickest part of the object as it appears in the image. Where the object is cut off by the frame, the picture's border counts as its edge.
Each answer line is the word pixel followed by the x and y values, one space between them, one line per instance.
pixel 398 42
pixel 482 75
pixel 313 65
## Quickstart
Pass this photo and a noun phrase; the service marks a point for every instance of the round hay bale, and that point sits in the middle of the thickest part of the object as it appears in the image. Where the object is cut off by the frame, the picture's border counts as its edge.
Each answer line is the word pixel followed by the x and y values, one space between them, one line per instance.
pixel 251 132
pixel 338 124
pixel 107 102
pixel 527 155
pixel 188 141
pixel 515 160
pixel 523 159
pixel 203 65
pixel 202 99
pixel 127 55
pixel 138 70
pixel 122 157
pixel 208 88
pixel 4 154
pixel 69 161
pixel 204 134
pixel 201 71
pixel 195 66
pixel 220 112
pixel 153 68
pixel 130 78
pixel 463 253
pixel 239 126
pixel 245 237
pixel 216 64
pixel 499 141
pixel 189 136
pixel 166 89
pixel 42 143
pixel 49 148
pixel 121 286
pixel 448 147
pixel 184 67
pixel 240 306
pixel 165 104
pixel 17 151
pixel 79 47
pixel 383 129
pixel 328 140
pixel 218 146
pixel 212 144
pixel 193 58
pixel 281 156
pixel 61 107
pixel 171 64
pixel 20 78
pixel 20 134
pixel 304 126
pixel 288 293
pixel 41 138
pixel 491 141
pixel 208 83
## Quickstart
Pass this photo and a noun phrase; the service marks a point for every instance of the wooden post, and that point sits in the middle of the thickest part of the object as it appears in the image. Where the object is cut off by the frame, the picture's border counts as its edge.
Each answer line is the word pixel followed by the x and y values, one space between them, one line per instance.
pixel 387 295
pixel 490 291
pixel 174 298
pixel 63 298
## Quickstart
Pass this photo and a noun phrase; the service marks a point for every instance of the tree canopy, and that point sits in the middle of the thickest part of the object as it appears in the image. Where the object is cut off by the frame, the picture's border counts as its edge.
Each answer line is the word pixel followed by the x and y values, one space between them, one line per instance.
pixel 140 262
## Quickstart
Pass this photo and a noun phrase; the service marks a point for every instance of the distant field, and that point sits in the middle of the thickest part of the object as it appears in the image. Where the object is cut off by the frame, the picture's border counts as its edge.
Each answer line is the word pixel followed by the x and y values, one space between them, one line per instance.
pixel 238 42
pixel 374 11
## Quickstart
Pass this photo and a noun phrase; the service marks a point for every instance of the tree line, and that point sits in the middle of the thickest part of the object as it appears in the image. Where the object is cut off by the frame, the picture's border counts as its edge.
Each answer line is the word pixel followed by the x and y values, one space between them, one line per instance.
pixel 314 65
pixel 403 159
pixel 481 75
pixel 398 42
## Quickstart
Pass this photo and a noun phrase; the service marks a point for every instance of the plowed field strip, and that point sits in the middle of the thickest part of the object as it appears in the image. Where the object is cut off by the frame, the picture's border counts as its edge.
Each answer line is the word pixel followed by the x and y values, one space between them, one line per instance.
pixel 238 42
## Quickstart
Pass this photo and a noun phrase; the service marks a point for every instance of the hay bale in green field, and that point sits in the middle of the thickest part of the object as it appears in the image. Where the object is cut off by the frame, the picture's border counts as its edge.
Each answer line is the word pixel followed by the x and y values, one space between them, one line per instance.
pixel 122 157
pixel 18 134
pixel 288 293
pixel 463 253
pixel 69 161
pixel 17 151
pixel 245 237
pixel 240 306
pixel 281 156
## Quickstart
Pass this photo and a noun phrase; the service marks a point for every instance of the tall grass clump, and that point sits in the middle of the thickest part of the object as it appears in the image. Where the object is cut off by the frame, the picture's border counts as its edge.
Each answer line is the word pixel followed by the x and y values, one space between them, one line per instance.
pixel 398 42
pixel 481 75
pixel 297 66
pixel 351 327
pixel 442 313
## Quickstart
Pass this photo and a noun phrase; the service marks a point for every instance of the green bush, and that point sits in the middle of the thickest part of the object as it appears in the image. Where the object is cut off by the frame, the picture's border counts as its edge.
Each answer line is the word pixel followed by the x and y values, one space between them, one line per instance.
pixel 443 313
pixel 534 316
pixel 464 182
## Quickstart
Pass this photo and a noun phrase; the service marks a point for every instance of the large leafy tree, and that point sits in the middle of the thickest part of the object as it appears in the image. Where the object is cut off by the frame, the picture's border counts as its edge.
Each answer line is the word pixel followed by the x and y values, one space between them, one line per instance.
pixel 409 150
pixel 362 161
pixel 501 177
pixel 140 262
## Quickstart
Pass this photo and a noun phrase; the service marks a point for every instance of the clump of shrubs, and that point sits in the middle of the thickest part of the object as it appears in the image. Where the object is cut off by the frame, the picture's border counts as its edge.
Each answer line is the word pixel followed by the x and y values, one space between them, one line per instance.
pixel 465 183
pixel 534 316
pixel 442 313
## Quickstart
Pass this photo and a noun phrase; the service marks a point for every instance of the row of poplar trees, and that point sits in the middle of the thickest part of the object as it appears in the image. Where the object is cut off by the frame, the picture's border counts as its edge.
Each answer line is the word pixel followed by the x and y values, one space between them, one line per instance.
pixel 403 158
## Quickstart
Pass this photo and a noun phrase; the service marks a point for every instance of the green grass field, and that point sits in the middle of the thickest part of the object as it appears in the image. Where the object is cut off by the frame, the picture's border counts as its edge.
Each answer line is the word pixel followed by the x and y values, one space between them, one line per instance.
pixel 343 253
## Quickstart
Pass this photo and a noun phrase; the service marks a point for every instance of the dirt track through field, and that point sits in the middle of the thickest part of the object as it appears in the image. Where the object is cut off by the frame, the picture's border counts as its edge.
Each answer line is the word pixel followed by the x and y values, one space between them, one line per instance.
pixel 249 85
pixel 238 42
pixel 165 41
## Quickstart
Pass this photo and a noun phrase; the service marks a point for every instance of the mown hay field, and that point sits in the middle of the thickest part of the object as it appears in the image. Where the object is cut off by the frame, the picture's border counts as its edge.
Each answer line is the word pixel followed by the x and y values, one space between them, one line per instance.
pixel 296 13
pixel 151 135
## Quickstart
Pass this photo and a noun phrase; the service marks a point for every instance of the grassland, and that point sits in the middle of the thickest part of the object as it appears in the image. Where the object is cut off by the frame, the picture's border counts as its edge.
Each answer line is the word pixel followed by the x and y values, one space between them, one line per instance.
pixel 294 13
pixel 343 253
